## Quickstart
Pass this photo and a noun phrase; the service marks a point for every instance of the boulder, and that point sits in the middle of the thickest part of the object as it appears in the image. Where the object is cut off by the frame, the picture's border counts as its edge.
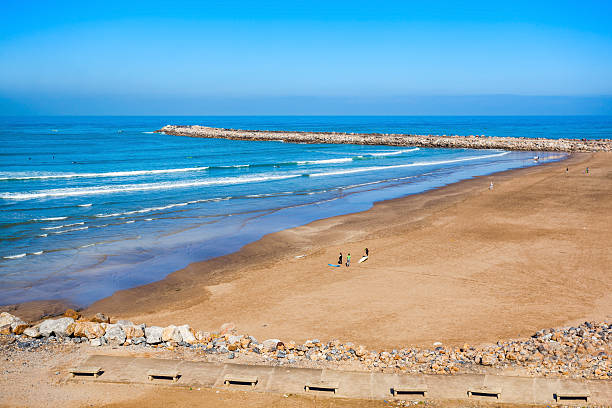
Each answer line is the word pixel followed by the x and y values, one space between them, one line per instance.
pixel 172 334
pixel 132 331
pixel 153 334
pixel 233 339
pixel 100 318
pixel 32 332
pixel 61 327
pixel 187 334
pixel 98 342
pixel 90 330
pixel 115 334
pixel 18 326
pixel 6 329
pixel 125 323
pixel 138 340
pixel 72 313
pixel 271 344
pixel 360 351
pixel 202 336
pixel 488 360
pixel 7 319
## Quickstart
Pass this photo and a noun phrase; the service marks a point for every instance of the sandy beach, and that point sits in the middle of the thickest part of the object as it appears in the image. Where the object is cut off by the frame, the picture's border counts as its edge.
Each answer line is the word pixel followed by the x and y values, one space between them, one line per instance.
pixel 458 264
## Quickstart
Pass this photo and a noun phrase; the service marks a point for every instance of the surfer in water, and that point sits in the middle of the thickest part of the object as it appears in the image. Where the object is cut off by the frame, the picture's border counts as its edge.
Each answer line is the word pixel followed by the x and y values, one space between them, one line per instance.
pixel 348 259
pixel 340 259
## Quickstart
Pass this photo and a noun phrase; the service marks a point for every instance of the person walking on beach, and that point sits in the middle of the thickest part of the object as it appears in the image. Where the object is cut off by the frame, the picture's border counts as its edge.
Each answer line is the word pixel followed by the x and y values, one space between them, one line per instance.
pixel 367 253
pixel 348 260
pixel 340 259
pixel 491 186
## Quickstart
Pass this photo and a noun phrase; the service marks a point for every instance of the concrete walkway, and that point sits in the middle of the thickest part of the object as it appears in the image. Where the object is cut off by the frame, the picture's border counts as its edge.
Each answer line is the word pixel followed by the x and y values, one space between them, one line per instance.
pixel 288 380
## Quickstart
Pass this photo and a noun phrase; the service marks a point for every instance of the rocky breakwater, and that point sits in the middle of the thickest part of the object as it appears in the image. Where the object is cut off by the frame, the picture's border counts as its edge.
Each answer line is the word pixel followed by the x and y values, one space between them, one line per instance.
pixel 581 351
pixel 390 139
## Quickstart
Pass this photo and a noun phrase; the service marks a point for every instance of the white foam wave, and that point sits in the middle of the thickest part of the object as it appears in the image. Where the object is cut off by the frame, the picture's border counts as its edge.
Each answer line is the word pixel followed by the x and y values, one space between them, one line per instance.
pixel 85 205
pixel 70 230
pixel 165 207
pixel 49 218
pixel 399 166
pixel 326 161
pixel 235 166
pixel 108 174
pixel 42 235
pixel 392 153
pixel 14 256
pixel 38 253
pixel 63 226
pixel 149 133
pixel 123 188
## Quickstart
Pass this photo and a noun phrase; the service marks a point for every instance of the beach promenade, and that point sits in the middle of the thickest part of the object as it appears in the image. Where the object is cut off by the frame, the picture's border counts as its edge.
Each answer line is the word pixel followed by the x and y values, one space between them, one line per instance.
pixel 389 139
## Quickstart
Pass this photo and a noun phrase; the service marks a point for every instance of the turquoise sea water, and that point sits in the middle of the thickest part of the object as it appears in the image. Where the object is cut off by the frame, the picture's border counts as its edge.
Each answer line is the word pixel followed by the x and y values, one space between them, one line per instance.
pixel 90 205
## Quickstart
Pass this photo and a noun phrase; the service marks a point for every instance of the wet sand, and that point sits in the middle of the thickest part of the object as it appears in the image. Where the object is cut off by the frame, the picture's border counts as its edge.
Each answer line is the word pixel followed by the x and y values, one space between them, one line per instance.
pixel 457 264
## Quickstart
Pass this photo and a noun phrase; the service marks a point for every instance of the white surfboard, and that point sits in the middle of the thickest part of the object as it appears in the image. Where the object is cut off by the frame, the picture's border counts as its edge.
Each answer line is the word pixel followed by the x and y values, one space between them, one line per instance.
pixel 365 258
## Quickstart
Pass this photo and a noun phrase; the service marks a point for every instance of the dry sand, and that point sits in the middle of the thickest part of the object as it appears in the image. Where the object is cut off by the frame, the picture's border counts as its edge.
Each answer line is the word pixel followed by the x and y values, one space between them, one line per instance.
pixel 457 264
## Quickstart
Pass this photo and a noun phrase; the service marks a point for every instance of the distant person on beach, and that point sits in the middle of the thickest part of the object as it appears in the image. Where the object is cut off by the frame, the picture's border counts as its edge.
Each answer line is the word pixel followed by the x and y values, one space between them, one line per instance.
pixel 587 170
pixel 367 252
pixel 491 186
pixel 348 260
pixel 340 259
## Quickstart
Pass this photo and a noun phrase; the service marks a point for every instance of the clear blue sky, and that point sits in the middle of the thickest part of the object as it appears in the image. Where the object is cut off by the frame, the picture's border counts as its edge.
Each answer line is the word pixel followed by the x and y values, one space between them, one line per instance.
pixel 305 57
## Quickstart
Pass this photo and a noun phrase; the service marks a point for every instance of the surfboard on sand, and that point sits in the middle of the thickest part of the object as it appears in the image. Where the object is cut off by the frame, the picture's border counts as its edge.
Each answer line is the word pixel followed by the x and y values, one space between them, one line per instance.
pixel 365 258
pixel 334 265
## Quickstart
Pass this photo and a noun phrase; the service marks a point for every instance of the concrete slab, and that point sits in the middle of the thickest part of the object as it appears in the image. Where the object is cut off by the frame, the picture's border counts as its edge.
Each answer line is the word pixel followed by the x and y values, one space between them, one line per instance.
pixel 200 374
pixel 292 380
pixel 278 379
pixel 262 373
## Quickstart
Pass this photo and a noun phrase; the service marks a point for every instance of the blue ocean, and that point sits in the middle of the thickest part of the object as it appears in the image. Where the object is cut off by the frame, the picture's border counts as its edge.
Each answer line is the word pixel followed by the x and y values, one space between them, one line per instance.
pixel 91 205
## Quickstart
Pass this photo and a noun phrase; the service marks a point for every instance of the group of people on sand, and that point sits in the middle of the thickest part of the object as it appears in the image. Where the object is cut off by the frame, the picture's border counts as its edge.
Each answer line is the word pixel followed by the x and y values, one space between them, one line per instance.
pixel 348 257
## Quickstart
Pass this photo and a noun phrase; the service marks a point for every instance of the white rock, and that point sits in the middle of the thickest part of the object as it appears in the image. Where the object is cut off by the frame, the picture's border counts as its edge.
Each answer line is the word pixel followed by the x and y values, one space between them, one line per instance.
pixel 114 333
pixel 270 344
pixel 125 323
pixel 234 339
pixel 186 334
pixel 6 319
pixel 18 322
pixel 172 333
pixel 32 332
pixel 200 335
pixel 153 334
pixel 58 327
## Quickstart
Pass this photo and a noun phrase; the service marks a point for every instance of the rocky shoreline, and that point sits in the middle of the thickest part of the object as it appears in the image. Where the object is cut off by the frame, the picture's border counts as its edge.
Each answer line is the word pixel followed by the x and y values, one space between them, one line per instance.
pixel 389 139
pixel 582 351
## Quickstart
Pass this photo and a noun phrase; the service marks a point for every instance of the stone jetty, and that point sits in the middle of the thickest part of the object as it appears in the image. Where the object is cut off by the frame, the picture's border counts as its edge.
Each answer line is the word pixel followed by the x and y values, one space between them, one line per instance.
pixel 581 351
pixel 390 139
